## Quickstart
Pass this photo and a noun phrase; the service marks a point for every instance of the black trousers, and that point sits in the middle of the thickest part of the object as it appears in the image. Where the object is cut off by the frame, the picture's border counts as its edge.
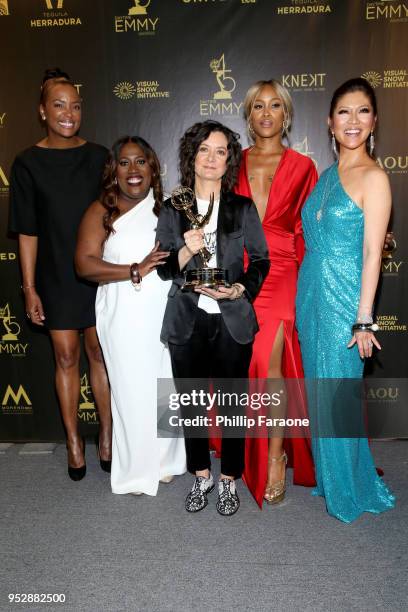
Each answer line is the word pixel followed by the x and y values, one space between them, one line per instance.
pixel 211 352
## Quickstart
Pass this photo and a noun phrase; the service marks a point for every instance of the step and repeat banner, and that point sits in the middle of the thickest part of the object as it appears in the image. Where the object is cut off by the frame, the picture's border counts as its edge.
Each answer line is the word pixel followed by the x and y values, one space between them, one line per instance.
pixel 153 68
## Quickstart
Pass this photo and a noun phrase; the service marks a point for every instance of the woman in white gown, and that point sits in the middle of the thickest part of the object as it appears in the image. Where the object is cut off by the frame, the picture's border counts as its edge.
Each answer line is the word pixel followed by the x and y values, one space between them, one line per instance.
pixel 117 232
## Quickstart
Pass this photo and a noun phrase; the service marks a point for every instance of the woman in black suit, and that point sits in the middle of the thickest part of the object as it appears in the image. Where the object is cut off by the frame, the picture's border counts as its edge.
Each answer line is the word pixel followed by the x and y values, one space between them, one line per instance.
pixel 210 332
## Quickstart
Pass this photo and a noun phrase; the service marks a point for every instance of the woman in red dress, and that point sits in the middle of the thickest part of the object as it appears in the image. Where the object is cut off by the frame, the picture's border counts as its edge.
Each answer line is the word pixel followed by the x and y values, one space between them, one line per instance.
pixel 278 180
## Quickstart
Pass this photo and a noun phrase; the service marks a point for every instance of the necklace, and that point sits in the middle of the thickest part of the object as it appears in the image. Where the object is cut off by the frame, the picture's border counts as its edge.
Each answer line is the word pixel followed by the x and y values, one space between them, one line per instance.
pixel 326 194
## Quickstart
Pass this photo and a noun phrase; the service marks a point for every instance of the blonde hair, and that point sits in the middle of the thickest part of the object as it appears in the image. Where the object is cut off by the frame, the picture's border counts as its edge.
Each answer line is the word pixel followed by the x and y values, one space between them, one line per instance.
pixel 282 93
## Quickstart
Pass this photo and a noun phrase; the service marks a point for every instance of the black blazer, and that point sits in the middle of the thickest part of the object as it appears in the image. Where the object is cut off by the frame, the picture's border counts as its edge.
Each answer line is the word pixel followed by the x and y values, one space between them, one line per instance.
pixel 238 227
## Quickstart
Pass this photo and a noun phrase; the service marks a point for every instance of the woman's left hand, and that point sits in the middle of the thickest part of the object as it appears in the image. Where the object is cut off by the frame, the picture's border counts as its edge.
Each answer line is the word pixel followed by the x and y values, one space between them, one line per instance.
pixel 222 293
pixel 365 341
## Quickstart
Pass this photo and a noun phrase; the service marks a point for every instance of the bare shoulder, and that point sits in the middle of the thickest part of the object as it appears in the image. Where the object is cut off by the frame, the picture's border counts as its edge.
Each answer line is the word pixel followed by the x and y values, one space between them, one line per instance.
pixel 376 190
pixel 93 218
pixel 96 210
pixel 374 179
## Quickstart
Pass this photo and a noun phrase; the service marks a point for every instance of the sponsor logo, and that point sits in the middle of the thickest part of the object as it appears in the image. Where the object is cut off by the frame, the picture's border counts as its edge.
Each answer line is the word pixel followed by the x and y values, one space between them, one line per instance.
pixel 303 147
pixel 125 90
pixel 304 7
pixel 389 79
pixel 391 323
pixel 388 10
pixel 56 4
pixel 137 20
pixel 55 15
pixel 8 256
pixel 86 409
pixel 374 78
pixel 222 102
pixel 4 183
pixel 305 81
pixel 203 2
pixel 3 119
pixel 16 402
pixel 394 164
pixel 390 266
pixel 4 9
pixel 381 394
pixel 10 331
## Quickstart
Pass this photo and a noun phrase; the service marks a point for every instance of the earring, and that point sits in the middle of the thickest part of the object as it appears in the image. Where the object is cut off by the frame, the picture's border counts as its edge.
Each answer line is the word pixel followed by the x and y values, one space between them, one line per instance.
pixel 115 181
pixel 43 116
pixel 285 126
pixel 334 145
pixel 251 131
pixel 372 143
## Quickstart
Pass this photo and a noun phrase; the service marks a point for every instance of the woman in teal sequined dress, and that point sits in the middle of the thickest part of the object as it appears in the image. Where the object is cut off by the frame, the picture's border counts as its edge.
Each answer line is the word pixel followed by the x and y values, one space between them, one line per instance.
pixel 344 223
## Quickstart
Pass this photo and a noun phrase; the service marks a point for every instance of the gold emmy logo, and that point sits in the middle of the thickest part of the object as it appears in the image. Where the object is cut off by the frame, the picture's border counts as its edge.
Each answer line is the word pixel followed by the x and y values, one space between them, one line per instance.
pixel 86 394
pixel 2 118
pixel 124 90
pixel 390 250
pixel 139 9
pixel 392 10
pixel 4 9
pixel 390 266
pixel 226 83
pixel 4 180
pixel 374 78
pixel 303 148
pixel 16 397
pixel 59 4
pixel 12 328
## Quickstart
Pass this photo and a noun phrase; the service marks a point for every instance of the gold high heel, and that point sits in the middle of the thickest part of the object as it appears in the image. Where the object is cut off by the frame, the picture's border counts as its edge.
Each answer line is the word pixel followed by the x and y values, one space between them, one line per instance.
pixel 275 492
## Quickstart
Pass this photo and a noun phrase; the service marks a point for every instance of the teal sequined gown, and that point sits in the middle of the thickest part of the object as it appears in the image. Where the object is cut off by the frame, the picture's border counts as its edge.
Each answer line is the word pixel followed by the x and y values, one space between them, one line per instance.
pixel 326 307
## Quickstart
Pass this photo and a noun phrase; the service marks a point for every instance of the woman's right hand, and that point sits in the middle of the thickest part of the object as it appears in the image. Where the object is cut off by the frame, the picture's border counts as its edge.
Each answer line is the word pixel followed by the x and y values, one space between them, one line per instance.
pixel 194 240
pixel 152 260
pixel 34 307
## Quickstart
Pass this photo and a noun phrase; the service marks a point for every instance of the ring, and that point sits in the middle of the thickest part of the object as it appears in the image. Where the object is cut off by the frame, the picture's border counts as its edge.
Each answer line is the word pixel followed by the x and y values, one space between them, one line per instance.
pixel 370 344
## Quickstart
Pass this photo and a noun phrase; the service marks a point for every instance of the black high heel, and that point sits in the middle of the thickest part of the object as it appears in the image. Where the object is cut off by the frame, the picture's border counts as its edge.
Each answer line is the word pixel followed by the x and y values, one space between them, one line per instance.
pixel 105 465
pixel 77 473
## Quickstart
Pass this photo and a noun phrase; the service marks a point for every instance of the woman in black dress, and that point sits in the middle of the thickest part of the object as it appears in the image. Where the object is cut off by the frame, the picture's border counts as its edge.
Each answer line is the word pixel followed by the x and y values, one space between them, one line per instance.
pixel 52 184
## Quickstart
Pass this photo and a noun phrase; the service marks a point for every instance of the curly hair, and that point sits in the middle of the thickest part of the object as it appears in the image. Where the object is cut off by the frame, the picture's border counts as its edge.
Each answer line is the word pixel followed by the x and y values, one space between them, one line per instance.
pixel 190 143
pixel 110 187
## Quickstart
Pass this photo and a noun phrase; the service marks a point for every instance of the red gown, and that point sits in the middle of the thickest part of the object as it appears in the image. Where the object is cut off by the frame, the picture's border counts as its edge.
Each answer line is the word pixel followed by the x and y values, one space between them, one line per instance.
pixel 293 181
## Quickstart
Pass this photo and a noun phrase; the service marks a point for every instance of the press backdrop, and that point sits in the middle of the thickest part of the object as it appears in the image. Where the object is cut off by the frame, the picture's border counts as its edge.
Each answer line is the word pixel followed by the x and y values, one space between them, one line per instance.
pixel 154 68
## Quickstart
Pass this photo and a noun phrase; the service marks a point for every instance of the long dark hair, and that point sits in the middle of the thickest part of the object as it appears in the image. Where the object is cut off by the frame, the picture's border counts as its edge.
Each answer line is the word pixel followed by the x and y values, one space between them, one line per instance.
pixel 350 86
pixel 190 143
pixel 111 190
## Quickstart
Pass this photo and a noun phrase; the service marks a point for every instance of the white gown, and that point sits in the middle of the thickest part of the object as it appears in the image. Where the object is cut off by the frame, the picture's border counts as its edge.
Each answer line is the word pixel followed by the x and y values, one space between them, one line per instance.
pixel 128 323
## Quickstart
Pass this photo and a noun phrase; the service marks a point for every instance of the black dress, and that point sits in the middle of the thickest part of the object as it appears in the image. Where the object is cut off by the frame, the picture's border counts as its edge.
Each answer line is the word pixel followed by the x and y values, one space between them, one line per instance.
pixel 50 189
